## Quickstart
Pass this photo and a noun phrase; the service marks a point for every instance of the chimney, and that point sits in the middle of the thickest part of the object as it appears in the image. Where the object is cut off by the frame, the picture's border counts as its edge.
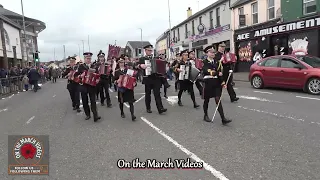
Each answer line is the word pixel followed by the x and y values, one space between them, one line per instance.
pixel 189 12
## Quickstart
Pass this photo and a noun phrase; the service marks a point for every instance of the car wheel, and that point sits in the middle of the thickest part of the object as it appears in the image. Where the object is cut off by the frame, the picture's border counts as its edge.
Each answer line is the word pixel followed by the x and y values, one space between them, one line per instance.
pixel 313 86
pixel 257 82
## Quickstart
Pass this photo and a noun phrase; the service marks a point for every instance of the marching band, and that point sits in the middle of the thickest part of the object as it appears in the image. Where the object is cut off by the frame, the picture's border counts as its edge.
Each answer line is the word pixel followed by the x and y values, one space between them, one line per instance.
pixel 210 76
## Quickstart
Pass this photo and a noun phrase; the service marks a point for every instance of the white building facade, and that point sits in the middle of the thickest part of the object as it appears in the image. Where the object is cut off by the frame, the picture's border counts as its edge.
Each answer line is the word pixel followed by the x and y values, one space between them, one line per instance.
pixel 210 26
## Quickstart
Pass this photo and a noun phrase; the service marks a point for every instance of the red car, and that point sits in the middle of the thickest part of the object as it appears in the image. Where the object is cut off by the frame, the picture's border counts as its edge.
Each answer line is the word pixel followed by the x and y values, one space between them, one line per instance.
pixel 287 71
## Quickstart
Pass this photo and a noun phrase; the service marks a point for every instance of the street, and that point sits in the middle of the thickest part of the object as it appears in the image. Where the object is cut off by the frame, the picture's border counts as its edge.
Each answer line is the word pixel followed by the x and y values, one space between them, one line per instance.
pixel 275 134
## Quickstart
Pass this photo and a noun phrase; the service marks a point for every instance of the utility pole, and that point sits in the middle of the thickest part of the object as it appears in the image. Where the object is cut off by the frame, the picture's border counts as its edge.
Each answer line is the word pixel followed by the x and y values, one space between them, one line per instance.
pixel 82 46
pixel 141 41
pixel 64 53
pixel 89 43
pixel 24 34
pixel 169 55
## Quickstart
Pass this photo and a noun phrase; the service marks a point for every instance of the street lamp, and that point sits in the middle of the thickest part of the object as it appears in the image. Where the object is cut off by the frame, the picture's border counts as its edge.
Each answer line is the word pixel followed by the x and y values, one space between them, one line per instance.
pixel 169 55
pixel 141 40
pixel 24 33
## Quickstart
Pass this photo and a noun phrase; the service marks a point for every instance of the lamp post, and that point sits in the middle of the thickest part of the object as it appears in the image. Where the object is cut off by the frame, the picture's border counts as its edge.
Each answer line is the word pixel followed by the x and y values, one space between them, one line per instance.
pixel 169 55
pixel 141 40
pixel 24 33
pixel 82 46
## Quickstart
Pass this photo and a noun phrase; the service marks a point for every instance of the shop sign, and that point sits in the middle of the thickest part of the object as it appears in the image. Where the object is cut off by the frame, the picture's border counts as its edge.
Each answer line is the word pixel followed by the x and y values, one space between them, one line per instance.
pixel 212 32
pixel 299 25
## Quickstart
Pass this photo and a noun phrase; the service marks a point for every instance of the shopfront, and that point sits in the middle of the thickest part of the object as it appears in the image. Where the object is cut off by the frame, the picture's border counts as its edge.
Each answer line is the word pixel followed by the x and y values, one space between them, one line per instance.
pixel 254 43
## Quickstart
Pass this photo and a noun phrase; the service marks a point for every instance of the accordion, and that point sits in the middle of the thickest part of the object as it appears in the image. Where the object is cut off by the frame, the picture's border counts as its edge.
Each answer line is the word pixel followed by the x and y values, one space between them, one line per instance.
pixel 126 81
pixel 189 73
pixel 157 66
pixel 198 63
pixel 73 78
pixel 90 78
pixel 229 58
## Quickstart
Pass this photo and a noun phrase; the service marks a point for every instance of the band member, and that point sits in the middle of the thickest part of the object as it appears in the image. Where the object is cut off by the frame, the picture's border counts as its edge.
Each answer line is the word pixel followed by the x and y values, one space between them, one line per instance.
pixel 213 83
pixel 192 60
pixel 86 89
pixel 72 86
pixel 151 82
pixel 97 89
pixel 124 95
pixel 103 85
pixel 176 74
pixel 185 85
pixel 165 84
pixel 226 68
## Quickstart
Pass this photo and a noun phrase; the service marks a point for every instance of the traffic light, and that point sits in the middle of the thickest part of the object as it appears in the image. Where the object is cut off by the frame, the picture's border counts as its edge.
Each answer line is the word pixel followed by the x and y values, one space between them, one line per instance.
pixel 36 56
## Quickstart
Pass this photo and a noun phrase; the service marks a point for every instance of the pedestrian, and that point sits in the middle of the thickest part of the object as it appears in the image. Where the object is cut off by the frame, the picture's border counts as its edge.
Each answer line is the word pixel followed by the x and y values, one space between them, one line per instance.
pixel 54 75
pixel 25 81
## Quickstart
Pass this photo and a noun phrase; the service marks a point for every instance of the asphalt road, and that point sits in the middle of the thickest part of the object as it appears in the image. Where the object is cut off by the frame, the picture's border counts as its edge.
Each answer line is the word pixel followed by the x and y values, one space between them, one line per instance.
pixel 275 134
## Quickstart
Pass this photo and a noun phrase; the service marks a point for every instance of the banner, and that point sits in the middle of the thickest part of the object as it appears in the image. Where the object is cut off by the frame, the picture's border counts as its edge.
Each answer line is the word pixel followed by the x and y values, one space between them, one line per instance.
pixel 113 51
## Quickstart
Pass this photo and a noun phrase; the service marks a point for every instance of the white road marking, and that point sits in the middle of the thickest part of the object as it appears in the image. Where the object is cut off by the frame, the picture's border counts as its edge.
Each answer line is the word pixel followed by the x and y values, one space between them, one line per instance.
pixel 206 166
pixel 172 100
pixel 3 98
pixel 3 110
pixel 11 96
pixel 139 99
pixel 54 96
pixel 315 123
pixel 263 92
pixel 40 85
pixel 89 104
pixel 235 88
pixel 140 93
pixel 270 113
pixel 29 121
pixel 258 99
pixel 303 97
pixel 111 90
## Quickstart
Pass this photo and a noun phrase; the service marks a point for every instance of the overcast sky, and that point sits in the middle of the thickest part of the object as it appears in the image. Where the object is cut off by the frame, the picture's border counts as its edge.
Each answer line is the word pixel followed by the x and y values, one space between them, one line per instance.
pixel 70 21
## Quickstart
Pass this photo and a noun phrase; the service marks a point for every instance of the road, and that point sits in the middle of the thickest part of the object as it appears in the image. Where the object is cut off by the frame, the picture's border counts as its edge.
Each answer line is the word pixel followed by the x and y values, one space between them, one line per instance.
pixel 275 134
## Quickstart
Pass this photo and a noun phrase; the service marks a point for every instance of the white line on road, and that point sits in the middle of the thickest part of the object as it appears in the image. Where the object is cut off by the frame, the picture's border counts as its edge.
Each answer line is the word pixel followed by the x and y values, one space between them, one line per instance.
pixel 140 93
pixel 88 103
pixel 258 99
pixel 263 92
pixel 208 167
pixel 111 90
pixel 3 98
pixel 139 99
pixel 270 113
pixel 235 88
pixel 3 110
pixel 303 97
pixel 54 96
pixel 11 96
pixel 29 121
pixel 315 123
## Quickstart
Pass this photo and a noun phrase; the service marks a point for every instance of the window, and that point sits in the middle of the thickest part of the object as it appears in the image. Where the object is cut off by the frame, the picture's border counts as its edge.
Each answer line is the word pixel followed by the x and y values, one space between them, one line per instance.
pixel 273 62
pixel 178 31
pixel 310 60
pixel 309 6
pixel 139 51
pixel 254 9
pixel 200 20
pixel 211 19
pixel 186 30
pixel 288 63
pixel 192 28
pixel 241 11
pixel 174 35
pixel 218 16
pixel 271 12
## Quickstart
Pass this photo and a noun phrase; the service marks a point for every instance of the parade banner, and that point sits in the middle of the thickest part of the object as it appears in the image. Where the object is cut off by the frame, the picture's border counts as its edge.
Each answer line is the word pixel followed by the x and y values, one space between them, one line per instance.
pixel 113 51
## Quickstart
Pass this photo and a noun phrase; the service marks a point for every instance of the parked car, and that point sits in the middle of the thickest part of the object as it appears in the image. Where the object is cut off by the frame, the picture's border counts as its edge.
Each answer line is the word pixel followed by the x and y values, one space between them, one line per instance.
pixel 287 71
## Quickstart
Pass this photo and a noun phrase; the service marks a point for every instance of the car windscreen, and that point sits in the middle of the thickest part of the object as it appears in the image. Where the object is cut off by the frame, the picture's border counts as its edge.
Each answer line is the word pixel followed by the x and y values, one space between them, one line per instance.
pixel 310 60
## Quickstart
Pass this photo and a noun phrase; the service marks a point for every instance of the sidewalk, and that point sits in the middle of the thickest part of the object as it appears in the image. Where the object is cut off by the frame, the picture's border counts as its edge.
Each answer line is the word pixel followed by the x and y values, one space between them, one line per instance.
pixel 241 76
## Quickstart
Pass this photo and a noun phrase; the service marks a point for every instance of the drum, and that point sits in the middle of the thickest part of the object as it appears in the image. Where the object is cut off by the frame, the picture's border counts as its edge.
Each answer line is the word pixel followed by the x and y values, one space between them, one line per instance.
pixel 91 78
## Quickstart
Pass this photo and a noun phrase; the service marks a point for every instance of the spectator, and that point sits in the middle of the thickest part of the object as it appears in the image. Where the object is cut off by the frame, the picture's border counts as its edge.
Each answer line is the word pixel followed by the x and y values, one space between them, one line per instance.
pixel 25 81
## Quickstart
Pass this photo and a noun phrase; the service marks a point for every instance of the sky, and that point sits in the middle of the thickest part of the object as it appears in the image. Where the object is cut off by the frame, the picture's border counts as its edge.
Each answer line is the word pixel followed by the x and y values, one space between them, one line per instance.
pixel 69 22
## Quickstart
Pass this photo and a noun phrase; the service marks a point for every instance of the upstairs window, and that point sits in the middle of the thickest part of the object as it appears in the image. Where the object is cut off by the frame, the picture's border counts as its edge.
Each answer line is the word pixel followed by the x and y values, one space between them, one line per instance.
pixel 211 19
pixel 254 10
pixel 271 11
pixel 218 17
pixel 309 6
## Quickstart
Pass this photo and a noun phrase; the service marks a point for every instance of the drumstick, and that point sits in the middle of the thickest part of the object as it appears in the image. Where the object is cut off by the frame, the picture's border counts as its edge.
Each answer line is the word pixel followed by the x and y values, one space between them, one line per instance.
pixel 215 112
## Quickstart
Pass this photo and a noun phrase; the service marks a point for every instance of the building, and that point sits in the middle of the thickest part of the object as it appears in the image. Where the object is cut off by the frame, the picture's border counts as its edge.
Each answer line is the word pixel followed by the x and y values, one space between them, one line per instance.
pixel 135 48
pixel 257 31
pixel 209 26
pixel 299 9
pixel 29 44
pixel 162 44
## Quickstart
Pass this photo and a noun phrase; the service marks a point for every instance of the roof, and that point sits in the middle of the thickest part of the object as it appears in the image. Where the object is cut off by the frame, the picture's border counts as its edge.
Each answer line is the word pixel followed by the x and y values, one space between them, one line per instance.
pixel 162 37
pixel 239 3
pixel 138 44
pixel 199 13
pixel 7 20
pixel 12 15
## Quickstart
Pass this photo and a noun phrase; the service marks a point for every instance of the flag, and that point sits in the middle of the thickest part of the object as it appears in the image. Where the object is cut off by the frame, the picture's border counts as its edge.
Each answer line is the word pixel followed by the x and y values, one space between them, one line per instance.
pixel 113 51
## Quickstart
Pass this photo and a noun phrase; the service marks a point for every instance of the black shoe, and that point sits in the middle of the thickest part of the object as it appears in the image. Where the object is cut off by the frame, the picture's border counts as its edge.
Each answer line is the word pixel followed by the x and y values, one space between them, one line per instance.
pixel 109 105
pixel 163 110
pixel 196 106
pixel 149 111
pixel 165 96
pixel 226 121
pixel 78 110
pixel 96 118
pixel 123 115
pixel 74 108
pixel 133 117
pixel 180 103
pixel 87 118
pixel 102 104
pixel 206 118
pixel 235 99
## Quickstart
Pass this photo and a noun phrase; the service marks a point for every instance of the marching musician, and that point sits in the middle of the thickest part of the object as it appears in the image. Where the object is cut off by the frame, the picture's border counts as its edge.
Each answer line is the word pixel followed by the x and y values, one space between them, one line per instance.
pixel 176 74
pixel 192 60
pixel 88 90
pixel 165 84
pixel 213 83
pixel 72 86
pixel 185 85
pixel 152 82
pixel 124 95
pixel 103 85
pixel 227 67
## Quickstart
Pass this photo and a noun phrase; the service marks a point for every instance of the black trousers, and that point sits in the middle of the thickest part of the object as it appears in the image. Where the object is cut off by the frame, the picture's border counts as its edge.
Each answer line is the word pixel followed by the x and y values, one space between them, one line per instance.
pixel 89 92
pixel 230 89
pixel 153 84
pixel 73 89
pixel 199 86
pixel 189 88
pixel 220 108
pixel 104 90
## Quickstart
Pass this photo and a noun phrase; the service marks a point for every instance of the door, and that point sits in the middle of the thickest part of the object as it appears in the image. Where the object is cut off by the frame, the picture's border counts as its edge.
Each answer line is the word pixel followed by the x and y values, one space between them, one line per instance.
pixel 291 75
pixel 270 71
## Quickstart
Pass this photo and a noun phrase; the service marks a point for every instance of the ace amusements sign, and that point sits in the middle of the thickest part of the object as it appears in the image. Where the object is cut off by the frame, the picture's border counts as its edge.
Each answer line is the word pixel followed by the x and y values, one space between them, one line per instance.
pixel 28 155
